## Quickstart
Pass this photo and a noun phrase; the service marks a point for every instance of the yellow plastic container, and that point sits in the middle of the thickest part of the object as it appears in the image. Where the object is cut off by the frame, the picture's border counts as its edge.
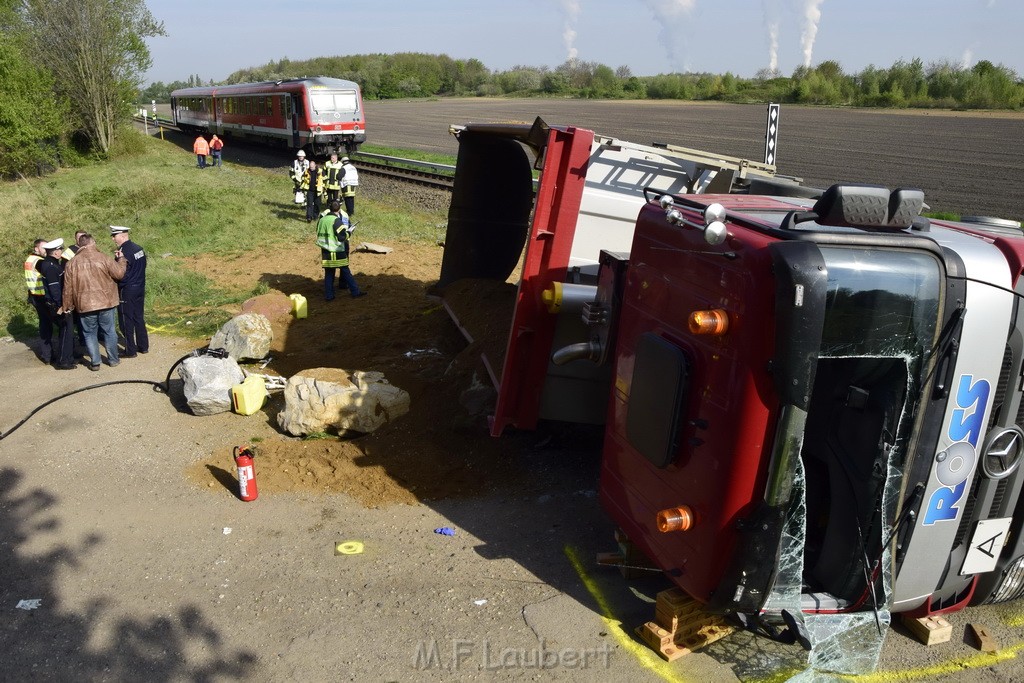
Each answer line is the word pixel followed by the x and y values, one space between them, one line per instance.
pixel 298 305
pixel 249 396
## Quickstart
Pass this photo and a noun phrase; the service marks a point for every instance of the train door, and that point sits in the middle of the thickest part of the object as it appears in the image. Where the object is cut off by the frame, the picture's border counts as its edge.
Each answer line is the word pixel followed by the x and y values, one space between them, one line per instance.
pixel 218 111
pixel 293 120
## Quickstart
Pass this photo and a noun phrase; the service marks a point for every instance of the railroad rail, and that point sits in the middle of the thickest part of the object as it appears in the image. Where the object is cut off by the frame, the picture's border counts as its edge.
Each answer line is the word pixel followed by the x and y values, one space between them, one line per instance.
pixel 426 173
pixel 410 170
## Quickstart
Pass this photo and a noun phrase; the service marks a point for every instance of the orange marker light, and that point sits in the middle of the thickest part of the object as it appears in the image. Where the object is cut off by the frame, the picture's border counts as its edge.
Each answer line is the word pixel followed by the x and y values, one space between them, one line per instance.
pixel 715 321
pixel 675 519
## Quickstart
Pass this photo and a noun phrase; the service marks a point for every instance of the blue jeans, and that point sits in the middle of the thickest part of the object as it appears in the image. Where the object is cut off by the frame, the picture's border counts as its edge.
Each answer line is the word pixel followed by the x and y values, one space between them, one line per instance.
pixel 216 157
pixel 201 160
pixel 346 277
pixel 96 322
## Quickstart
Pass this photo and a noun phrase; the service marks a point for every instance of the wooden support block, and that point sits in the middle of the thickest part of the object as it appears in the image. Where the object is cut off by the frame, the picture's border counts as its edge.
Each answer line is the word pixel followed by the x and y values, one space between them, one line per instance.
pixel 983 638
pixel 611 559
pixel 929 630
pixel 681 626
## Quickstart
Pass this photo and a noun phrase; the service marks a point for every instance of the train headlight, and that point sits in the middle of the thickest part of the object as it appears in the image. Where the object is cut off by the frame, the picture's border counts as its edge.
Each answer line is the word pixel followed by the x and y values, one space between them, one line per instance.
pixel 318 129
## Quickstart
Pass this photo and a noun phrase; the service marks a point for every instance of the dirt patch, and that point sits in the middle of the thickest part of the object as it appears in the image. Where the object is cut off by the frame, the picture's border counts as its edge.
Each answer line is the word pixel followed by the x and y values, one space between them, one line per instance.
pixel 323 466
pixel 439 449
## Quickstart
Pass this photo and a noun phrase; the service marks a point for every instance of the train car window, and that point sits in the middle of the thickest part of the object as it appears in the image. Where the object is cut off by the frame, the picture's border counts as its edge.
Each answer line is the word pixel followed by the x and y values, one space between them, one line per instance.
pixel 270 106
pixel 345 101
pixel 300 106
pixel 286 105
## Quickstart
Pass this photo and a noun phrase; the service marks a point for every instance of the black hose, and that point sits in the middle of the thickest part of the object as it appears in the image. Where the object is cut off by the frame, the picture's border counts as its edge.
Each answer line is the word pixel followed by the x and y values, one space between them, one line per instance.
pixel 157 386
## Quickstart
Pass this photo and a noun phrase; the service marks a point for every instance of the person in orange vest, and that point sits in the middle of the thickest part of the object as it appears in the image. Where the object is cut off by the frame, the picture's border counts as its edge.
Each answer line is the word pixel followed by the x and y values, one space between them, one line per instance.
pixel 201 148
pixel 216 145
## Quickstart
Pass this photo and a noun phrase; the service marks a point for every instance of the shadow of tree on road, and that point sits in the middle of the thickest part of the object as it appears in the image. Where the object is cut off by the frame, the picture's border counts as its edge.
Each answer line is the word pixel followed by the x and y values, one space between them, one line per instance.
pixel 54 642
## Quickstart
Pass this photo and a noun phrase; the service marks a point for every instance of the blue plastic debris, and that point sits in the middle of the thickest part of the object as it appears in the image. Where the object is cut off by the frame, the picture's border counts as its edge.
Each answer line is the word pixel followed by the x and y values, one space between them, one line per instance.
pixel 445 531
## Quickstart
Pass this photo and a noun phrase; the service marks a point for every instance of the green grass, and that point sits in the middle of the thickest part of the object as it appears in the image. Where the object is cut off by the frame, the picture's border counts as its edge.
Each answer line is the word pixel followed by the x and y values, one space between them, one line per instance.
pixel 416 155
pixel 175 211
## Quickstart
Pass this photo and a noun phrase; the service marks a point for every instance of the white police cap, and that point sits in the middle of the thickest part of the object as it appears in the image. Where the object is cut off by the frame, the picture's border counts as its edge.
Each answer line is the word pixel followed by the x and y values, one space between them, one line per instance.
pixel 54 244
pixel 117 229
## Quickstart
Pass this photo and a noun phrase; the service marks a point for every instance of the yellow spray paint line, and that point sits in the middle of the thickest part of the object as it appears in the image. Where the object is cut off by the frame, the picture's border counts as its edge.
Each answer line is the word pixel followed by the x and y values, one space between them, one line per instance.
pixel 661 668
pixel 644 655
pixel 945 668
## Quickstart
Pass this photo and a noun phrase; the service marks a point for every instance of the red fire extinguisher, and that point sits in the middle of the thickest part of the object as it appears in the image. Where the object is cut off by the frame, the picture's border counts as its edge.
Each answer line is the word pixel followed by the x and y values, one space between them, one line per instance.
pixel 246 473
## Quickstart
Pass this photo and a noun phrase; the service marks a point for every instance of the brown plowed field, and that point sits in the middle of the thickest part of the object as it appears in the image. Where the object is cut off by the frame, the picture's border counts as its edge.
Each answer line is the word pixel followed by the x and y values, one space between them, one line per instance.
pixel 967 163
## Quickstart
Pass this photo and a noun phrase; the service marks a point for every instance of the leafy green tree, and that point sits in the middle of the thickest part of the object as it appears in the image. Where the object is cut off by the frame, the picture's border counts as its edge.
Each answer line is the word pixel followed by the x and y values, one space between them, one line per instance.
pixel 97 54
pixel 33 119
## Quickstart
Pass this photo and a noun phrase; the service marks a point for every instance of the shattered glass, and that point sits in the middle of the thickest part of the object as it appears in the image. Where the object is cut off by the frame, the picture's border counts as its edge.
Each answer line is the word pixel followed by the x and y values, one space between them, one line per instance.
pixel 850 642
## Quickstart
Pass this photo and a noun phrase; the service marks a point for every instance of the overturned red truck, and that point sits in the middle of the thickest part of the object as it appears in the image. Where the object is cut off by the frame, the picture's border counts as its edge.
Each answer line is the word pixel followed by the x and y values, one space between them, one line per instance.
pixel 817 391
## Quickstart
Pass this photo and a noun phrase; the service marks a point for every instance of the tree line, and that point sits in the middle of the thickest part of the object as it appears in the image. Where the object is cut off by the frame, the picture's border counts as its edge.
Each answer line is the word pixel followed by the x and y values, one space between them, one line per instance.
pixel 70 70
pixel 408 75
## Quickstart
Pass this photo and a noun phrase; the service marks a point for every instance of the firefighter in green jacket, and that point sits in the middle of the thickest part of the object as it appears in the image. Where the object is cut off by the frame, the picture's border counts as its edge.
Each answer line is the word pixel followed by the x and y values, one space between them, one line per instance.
pixel 332 238
pixel 333 171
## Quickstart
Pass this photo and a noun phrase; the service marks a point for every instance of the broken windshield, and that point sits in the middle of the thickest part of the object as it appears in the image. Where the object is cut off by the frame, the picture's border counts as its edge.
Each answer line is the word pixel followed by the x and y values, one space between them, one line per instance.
pixel 879 302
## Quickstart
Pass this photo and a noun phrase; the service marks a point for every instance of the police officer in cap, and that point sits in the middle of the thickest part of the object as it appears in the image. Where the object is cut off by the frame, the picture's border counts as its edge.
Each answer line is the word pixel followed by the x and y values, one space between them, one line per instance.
pixel 131 292
pixel 52 270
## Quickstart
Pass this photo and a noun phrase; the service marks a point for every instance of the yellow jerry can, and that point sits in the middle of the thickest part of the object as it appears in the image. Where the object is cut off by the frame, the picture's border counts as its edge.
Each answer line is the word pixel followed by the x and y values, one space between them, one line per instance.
pixel 298 305
pixel 249 396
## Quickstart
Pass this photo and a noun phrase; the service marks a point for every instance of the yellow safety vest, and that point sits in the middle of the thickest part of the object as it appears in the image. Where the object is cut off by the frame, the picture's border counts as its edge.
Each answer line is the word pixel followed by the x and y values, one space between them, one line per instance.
pixel 33 278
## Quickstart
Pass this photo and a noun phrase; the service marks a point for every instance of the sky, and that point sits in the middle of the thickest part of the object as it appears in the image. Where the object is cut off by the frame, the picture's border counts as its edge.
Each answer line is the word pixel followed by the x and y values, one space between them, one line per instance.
pixel 216 38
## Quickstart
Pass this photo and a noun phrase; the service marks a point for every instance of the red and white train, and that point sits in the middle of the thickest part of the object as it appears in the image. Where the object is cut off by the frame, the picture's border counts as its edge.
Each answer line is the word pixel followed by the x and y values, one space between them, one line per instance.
pixel 322 115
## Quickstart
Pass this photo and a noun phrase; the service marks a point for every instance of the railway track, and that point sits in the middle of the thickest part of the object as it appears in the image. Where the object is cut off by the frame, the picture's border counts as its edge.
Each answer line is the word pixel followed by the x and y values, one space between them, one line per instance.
pixel 425 173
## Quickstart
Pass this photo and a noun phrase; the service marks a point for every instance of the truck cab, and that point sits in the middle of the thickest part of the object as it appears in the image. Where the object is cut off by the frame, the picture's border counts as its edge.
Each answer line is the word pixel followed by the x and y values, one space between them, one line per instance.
pixel 800 388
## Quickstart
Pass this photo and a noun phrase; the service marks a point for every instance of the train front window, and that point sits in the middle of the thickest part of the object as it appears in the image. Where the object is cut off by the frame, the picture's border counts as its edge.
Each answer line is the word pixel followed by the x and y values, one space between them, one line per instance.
pixel 344 101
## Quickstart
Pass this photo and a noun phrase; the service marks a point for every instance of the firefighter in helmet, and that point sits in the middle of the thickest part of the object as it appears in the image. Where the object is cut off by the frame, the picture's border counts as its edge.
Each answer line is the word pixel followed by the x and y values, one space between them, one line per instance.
pixel 349 183
pixel 333 171
pixel 299 166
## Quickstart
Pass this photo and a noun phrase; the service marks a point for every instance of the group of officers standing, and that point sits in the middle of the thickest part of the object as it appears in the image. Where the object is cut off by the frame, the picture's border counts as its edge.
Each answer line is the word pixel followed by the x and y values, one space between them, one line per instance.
pixel 335 180
pixel 79 286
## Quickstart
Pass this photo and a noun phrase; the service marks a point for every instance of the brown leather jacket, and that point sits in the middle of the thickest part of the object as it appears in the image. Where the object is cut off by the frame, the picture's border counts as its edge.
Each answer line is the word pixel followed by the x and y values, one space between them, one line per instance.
pixel 90 281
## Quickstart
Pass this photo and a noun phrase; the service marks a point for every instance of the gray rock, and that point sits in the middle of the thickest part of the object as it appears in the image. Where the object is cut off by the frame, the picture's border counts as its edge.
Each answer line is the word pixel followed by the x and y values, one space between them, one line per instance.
pixel 332 400
pixel 208 383
pixel 245 336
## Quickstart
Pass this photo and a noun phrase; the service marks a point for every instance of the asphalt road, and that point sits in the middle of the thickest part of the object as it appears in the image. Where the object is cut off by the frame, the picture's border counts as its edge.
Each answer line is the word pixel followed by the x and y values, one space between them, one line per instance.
pixel 968 164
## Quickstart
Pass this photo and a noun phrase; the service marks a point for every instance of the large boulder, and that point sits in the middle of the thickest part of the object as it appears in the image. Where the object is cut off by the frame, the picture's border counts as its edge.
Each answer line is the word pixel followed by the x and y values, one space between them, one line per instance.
pixel 245 336
pixel 208 381
pixel 332 400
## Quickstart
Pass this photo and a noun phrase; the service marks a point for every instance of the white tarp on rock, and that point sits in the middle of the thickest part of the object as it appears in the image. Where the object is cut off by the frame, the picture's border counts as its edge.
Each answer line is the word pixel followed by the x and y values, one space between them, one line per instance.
pixel 330 399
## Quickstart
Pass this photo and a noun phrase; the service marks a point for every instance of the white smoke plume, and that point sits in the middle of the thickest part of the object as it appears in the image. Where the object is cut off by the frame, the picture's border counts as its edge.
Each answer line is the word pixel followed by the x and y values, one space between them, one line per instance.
pixel 668 13
pixel 967 60
pixel 771 24
pixel 812 15
pixel 773 47
pixel 571 10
